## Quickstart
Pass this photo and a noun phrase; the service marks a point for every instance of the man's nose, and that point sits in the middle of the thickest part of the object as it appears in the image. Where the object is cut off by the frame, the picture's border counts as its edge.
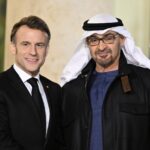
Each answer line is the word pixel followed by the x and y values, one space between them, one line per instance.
pixel 101 45
pixel 33 50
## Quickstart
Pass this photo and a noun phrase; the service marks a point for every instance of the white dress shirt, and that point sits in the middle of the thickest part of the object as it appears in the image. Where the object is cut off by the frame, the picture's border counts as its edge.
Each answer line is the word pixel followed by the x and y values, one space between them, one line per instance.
pixel 24 77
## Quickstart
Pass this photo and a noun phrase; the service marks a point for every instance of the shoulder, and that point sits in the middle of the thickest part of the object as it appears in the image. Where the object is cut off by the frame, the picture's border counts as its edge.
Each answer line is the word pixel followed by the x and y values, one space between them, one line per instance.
pixel 4 76
pixel 74 86
pixel 142 74
pixel 49 82
pixel 6 80
pixel 141 71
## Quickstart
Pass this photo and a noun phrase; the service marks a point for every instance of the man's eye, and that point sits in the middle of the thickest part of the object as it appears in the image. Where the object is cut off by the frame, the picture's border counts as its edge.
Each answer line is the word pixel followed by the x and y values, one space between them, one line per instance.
pixel 93 39
pixel 40 45
pixel 109 37
pixel 25 44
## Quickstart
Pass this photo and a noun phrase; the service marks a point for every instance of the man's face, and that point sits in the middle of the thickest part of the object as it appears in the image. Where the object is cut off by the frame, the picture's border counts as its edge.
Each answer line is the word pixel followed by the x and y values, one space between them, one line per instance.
pixel 105 50
pixel 30 49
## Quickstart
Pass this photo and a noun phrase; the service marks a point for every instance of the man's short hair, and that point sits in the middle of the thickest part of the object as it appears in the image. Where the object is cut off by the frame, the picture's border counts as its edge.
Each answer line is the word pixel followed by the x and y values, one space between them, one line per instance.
pixel 33 22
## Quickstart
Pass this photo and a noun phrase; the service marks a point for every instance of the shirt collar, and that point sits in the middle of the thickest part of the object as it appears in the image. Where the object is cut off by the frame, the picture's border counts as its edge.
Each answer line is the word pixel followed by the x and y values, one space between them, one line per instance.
pixel 23 75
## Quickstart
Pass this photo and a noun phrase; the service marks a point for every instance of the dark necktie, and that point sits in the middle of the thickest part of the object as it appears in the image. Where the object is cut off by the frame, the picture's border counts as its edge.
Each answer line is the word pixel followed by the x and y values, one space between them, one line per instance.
pixel 36 96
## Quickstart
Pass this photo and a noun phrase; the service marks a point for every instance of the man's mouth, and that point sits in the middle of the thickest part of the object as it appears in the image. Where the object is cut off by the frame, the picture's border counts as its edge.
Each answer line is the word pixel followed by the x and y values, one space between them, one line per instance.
pixel 32 60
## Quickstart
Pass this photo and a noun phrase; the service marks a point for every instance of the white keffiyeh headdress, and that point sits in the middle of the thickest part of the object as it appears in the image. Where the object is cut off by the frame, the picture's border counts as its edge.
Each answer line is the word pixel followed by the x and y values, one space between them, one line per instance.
pixel 81 57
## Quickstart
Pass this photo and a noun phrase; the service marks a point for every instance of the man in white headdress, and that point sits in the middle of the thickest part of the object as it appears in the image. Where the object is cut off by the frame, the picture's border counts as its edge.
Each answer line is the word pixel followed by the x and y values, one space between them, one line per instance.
pixel 106 90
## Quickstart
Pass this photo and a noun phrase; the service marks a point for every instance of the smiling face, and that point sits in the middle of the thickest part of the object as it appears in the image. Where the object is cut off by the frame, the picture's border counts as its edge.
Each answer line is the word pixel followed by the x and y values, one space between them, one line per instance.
pixel 30 49
pixel 105 50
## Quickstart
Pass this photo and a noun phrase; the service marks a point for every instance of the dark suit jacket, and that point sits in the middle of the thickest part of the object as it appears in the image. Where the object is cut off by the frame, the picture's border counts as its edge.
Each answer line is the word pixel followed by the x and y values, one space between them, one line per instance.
pixel 20 126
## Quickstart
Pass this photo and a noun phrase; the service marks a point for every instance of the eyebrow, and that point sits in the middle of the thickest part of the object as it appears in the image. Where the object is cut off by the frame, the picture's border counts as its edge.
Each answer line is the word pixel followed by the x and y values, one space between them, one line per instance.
pixel 22 42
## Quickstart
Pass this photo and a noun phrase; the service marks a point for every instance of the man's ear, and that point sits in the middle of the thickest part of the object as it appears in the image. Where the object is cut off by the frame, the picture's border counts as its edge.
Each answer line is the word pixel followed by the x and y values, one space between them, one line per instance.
pixel 122 41
pixel 47 49
pixel 12 48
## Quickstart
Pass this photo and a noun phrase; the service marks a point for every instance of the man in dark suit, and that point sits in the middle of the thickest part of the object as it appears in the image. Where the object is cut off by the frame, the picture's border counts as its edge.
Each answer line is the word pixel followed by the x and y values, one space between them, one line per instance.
pixel 23 124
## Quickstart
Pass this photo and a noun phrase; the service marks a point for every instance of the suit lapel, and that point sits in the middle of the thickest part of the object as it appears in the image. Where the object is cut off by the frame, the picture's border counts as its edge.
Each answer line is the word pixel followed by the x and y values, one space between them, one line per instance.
pixel 17 84
pixel 22 91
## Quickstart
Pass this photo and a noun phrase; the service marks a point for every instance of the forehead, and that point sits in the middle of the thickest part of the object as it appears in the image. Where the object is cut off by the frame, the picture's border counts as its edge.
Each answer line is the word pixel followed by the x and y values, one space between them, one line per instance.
pixel 106 33
pixel 24 32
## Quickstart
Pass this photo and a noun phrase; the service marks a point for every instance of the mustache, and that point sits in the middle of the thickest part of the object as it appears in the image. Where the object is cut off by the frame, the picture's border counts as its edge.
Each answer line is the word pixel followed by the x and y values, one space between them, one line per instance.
pixel 103 51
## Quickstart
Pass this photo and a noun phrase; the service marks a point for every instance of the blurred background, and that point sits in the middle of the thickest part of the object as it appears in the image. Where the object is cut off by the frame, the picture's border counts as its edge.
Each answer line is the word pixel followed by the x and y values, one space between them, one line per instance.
pixel 65 19
pixel 2 32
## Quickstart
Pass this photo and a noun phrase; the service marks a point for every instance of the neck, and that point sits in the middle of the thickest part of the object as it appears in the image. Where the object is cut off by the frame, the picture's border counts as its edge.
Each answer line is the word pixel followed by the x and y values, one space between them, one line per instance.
pixel 106 68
